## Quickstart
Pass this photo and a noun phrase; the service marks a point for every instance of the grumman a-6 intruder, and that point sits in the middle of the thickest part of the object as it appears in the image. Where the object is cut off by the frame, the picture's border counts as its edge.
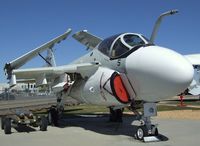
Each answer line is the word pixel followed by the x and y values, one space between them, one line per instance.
pixel 124 70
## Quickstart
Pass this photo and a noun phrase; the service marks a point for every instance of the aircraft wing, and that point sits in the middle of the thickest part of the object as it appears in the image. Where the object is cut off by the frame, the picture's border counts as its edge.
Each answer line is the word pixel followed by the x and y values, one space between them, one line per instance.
pixel 194 58
pixel 28 56
pixel 53 72
pixel 87 39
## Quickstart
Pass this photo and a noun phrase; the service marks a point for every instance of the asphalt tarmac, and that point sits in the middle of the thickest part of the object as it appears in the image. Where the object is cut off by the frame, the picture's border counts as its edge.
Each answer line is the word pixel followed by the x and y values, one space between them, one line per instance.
pixel 92 130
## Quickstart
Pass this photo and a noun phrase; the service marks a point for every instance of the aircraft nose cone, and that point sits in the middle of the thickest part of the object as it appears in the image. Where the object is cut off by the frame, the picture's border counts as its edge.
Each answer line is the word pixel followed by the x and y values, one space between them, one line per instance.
pixel 158 73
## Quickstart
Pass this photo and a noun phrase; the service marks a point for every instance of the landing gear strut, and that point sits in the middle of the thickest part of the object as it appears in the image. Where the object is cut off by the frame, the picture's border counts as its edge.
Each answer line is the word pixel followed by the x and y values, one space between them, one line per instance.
pixel 116 115
pixel 53 116
pixel 55 112
pixel 147 131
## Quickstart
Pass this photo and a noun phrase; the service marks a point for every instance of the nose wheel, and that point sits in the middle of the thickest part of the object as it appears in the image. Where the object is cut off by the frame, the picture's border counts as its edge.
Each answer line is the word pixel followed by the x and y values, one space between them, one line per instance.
pixel 142 132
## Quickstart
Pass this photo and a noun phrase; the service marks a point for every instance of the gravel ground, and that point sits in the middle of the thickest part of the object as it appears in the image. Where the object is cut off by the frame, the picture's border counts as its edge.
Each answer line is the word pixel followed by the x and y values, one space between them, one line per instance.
pixel 180 114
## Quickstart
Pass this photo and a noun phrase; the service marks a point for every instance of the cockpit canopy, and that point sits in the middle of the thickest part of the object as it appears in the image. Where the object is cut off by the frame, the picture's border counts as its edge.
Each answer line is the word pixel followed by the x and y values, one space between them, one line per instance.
pixel 117 45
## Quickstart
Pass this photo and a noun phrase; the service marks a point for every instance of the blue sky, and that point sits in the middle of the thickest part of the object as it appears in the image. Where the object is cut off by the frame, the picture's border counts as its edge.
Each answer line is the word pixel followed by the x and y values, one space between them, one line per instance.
pixel 26 24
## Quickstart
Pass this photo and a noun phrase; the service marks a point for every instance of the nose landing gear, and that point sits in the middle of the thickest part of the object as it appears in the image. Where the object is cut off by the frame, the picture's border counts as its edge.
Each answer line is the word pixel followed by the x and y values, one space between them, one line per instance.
pixel 147 132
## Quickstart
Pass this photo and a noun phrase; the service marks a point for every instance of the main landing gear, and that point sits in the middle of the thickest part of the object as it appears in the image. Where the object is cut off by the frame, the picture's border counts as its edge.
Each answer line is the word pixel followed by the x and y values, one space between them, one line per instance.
pixel 146 131
pixel 55 112
pixel 116 115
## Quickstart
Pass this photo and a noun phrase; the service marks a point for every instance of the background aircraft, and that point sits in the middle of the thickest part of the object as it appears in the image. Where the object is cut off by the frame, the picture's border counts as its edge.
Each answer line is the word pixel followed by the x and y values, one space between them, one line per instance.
pixel 194 88
pixel 124 70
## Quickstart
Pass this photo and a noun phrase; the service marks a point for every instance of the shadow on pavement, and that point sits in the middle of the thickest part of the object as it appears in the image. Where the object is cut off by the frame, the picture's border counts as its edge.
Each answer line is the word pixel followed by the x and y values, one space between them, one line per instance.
pixel 99 123
pixel 24 128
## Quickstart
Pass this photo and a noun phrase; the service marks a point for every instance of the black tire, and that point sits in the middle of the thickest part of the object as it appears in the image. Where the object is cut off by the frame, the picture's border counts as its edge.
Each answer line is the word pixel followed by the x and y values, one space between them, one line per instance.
pixel 116 115
pixel 2 122
pixel 49 116
pixel 43 124
pixel 112 115
pixel 7 126
pixel 119 115
pixel 156 132
pixel 53 116
pixel 141 132
pixel 61 110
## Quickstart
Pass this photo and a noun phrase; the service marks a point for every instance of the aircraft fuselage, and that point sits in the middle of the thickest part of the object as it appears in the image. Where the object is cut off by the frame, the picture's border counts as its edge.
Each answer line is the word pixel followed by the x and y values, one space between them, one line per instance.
pixel 154 73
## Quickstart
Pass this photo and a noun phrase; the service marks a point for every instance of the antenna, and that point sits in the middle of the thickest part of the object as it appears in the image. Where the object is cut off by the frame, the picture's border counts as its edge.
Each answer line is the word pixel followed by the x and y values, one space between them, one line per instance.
pixel 158 22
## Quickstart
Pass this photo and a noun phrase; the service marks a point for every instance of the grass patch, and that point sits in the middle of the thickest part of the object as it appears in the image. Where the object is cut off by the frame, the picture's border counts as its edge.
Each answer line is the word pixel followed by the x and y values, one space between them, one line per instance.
pixel 91 109
pixel 171 108
pixel 187 102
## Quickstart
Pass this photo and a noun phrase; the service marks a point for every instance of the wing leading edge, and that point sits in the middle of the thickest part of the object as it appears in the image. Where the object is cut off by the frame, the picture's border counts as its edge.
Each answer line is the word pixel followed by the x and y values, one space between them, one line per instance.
pixel 87 39
pixel 17 63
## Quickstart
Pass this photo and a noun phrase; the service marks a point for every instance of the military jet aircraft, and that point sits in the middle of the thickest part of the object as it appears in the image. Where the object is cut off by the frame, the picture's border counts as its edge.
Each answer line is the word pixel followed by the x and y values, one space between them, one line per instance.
pixel 124 70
